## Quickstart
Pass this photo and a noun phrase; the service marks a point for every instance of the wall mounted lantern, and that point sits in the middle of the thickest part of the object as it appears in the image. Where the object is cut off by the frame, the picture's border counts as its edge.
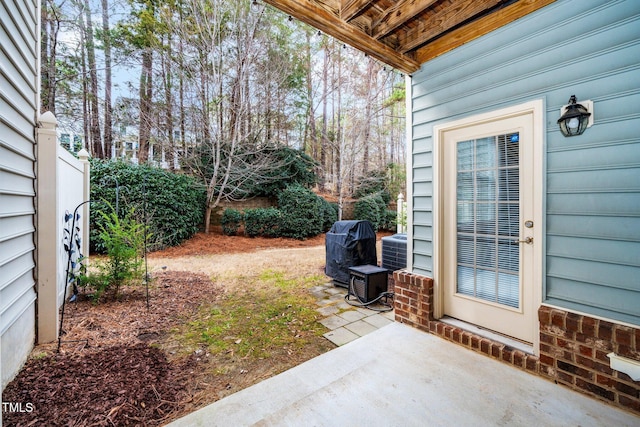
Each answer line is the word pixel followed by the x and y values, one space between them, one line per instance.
pixel 575 118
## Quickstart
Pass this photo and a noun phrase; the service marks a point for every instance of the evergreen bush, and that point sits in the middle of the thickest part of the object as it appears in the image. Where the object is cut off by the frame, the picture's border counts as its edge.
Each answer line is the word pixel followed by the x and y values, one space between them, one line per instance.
pixel 123 240
pixel 302 212
pixel 172 204
pixel 293 167
pixel 390 220
pixel 231 220
pixel 373 183
pixel 262 222
pixel 371 208
pixel 329 214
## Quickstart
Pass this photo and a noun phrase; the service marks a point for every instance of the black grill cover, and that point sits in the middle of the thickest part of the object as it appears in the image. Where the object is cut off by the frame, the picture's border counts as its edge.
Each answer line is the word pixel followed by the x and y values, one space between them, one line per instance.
pixel 348 244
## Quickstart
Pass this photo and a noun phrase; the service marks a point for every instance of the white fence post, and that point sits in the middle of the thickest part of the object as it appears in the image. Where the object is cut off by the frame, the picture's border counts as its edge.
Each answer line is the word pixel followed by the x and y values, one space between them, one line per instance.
pixel 62 183
pixel 401 217
pixel 48 227
pixel 83 155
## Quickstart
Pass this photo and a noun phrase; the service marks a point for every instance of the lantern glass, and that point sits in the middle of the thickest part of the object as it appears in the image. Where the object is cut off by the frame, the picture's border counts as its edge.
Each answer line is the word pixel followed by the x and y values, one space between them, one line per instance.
pixel 575 119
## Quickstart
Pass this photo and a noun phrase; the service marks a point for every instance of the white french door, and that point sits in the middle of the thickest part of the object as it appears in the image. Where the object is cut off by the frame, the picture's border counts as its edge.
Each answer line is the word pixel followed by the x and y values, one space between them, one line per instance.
pixel 489 219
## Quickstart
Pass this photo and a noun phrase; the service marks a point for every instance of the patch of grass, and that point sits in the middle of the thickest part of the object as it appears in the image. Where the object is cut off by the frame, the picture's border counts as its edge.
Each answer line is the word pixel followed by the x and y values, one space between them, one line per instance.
pixel 279 279
pixel 274 312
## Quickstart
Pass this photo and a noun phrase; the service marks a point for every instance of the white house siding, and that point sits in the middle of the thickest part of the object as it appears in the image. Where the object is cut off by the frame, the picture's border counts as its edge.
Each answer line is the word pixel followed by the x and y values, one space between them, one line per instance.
pixel 18 108
pixel 590 48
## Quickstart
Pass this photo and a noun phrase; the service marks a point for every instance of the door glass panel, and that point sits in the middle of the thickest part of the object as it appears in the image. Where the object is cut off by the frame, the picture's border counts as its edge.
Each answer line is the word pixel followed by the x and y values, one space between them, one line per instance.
pixel 488 219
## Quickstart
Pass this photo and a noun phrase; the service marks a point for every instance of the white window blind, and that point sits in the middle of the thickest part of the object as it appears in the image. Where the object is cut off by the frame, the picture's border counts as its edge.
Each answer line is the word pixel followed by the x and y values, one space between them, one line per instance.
pixel 488 219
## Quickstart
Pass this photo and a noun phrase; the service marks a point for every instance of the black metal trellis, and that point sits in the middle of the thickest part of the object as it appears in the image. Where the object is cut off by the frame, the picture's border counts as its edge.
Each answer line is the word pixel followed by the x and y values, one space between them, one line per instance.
pixel 144 213
pixel 73 239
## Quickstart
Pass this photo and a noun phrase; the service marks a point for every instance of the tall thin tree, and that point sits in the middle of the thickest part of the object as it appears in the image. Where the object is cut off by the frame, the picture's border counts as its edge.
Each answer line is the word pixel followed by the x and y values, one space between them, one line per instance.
pixel 108 126
pixel 94 118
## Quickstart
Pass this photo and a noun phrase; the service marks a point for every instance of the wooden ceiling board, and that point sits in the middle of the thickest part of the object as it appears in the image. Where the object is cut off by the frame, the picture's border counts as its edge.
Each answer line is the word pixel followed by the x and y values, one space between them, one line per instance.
pixel 399 14
pixel 444 21
pixel 479 28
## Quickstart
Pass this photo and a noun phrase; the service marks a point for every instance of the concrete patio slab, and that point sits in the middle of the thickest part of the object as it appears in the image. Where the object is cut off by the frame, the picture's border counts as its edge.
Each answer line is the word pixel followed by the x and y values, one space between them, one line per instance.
pixel 341 336
pixel 377 320
pixel 360 327
pixel 333 322
pixel 351 316
pixel 399 376
pixel 328 310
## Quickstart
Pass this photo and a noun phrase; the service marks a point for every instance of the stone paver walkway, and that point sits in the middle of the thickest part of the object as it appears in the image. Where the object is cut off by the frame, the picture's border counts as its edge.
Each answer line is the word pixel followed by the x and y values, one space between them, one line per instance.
pixel 346 322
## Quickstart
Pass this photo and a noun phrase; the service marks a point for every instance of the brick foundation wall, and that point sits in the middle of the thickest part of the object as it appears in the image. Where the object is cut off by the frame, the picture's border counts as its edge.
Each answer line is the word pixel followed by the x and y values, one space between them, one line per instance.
pixel 241 205
pixel 573 352
pixel 573 347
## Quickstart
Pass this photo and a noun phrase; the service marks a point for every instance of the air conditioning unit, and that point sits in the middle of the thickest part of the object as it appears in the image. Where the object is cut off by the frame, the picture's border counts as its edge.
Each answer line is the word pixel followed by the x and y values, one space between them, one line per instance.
pixel 367 282
pixel 394 252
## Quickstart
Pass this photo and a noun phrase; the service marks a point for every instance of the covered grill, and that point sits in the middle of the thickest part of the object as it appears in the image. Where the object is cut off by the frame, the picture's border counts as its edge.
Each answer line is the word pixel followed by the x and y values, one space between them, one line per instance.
pixel 349 244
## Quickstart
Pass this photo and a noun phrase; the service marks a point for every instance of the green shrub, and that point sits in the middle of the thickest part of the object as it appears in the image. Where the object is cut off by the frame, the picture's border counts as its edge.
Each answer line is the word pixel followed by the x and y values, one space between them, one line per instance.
pixel 390 220
pixel 371 208
pixel 373 183
pixel 294 167
pixel 231 220
pixel 171 204
pixel 302 212
pixel 123 240
pixel 388 182
pixel 329 214
pixel 262 222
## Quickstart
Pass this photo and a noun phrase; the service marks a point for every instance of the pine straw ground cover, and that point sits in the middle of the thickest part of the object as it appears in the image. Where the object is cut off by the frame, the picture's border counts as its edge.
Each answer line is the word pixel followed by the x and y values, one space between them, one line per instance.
pixel 223 313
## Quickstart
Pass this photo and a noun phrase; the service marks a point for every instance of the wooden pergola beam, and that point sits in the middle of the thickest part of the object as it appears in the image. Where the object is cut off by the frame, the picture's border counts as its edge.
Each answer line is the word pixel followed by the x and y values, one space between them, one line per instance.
pixel 352 8
pixel 310 13
pixel 397 15
pixel 444 21
pixel 479 28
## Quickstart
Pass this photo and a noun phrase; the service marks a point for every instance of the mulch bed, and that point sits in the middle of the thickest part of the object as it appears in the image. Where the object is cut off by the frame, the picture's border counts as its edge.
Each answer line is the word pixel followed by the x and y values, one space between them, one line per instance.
pixel 115 366
pixel 217 243
pixel 119 385
pixel 109 370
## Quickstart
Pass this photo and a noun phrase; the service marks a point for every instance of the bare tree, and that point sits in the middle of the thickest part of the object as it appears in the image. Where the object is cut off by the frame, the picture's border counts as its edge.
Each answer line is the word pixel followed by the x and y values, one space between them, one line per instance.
pixel 51 19
pixel 108 126
pixel 236 79
pixel 94 120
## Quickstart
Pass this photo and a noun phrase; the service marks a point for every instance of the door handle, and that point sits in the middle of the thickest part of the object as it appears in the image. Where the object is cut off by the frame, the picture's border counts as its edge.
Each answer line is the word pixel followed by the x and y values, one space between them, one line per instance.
pixel 527 240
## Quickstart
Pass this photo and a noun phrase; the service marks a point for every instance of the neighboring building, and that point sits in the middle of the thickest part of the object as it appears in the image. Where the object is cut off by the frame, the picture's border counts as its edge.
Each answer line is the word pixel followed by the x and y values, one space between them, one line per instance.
pixel 524 244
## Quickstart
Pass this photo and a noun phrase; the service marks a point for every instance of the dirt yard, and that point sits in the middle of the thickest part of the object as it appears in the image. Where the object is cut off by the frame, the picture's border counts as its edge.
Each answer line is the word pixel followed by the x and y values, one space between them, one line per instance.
pixel 119 362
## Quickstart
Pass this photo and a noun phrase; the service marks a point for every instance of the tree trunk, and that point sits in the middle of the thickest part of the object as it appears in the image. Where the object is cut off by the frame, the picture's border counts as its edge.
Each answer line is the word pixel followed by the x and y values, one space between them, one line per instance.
pixel 85 90
pixel 166 80
pixel 323 141
pixel 108 127
pixel 146 91
pixel 94 122
pixel 48 56
pixel 367 116
pixel 311 115
pixel 338 143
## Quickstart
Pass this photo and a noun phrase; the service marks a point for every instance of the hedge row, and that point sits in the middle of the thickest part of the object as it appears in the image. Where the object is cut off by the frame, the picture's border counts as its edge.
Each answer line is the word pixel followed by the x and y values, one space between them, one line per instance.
pixel 172 203
pixel 300 214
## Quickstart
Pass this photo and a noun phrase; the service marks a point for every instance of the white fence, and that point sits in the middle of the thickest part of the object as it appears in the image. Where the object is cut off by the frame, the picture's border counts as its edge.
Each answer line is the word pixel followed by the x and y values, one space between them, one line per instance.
pixel 401 217
pixel 63 187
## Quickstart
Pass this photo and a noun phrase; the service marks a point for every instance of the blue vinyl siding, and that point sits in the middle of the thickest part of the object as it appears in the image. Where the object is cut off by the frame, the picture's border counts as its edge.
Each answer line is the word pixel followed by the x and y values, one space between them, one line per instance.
pixel 590 48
